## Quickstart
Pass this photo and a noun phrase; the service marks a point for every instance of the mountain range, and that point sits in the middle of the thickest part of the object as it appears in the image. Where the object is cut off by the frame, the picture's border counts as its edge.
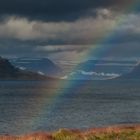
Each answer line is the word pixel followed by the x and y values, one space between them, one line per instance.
pixel 107 66
pixel 10 72
pixel 43 66
pixel 134 74
pixel 101 69
pixel 44 69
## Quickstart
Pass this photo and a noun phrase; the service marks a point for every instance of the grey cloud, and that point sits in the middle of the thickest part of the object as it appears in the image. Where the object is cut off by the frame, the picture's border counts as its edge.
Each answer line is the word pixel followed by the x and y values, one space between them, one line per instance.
pixel 83 31
pixel 57 10
pixel 20 36
pixel 80 31
pixel 62 48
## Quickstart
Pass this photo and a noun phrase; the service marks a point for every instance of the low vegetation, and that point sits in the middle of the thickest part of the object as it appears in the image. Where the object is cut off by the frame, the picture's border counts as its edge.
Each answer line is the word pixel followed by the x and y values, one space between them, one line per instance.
pixel 110 133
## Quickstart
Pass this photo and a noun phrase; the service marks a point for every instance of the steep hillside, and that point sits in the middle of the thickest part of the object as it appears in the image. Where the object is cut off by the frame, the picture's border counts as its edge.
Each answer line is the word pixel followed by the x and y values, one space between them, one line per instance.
pixel 134 74
pixel 41 65
pixel 9 72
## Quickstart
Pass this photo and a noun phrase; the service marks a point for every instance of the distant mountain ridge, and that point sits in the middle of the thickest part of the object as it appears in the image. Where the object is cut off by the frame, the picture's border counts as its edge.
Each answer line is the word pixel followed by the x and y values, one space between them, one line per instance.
pixel 101 69
pixel 40 65
pixel 84 71
pixel 134 74
pixel 10 72
pixel 106 66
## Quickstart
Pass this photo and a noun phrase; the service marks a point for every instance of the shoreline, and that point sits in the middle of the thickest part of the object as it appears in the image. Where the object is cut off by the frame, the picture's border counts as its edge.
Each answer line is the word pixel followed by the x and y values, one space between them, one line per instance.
pixel 77 134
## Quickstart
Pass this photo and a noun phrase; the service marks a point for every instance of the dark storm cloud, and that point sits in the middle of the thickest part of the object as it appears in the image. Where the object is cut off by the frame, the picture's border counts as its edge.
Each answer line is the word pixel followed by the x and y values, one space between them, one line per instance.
pixel 55 10
pixel 51 27
pixel 80 31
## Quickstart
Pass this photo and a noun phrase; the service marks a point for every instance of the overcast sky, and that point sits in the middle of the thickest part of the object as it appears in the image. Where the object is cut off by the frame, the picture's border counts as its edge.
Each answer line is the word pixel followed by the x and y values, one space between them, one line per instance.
pixel 70 29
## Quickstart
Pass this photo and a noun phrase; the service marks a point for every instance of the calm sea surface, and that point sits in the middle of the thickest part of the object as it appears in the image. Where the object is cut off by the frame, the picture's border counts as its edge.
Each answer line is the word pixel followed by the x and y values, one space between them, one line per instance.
pixel 47 106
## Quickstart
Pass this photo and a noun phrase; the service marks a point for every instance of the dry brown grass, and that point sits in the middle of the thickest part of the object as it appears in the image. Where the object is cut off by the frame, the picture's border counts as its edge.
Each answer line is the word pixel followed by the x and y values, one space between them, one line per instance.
pixel 109 133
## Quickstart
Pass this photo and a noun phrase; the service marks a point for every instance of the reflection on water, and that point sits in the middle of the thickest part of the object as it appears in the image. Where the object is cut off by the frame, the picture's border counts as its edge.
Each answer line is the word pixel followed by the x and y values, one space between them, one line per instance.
pixel 35 106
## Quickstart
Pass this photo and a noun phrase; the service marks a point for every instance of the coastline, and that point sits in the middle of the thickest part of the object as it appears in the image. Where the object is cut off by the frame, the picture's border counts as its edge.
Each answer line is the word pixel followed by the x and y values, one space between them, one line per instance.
pixel 117 132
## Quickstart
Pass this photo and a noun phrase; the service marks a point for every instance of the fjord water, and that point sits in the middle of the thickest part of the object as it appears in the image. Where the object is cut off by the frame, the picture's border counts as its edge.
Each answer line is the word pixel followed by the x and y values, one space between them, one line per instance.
pixel 45 106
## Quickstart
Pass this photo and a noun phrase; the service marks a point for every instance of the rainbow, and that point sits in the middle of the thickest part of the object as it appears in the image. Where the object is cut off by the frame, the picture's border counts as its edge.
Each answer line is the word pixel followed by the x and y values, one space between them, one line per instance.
pixel 55 95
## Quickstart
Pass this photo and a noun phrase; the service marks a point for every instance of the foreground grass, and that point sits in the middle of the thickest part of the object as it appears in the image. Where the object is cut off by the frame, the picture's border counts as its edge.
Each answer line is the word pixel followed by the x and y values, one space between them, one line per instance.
pixel 98 135
pixel 110 133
